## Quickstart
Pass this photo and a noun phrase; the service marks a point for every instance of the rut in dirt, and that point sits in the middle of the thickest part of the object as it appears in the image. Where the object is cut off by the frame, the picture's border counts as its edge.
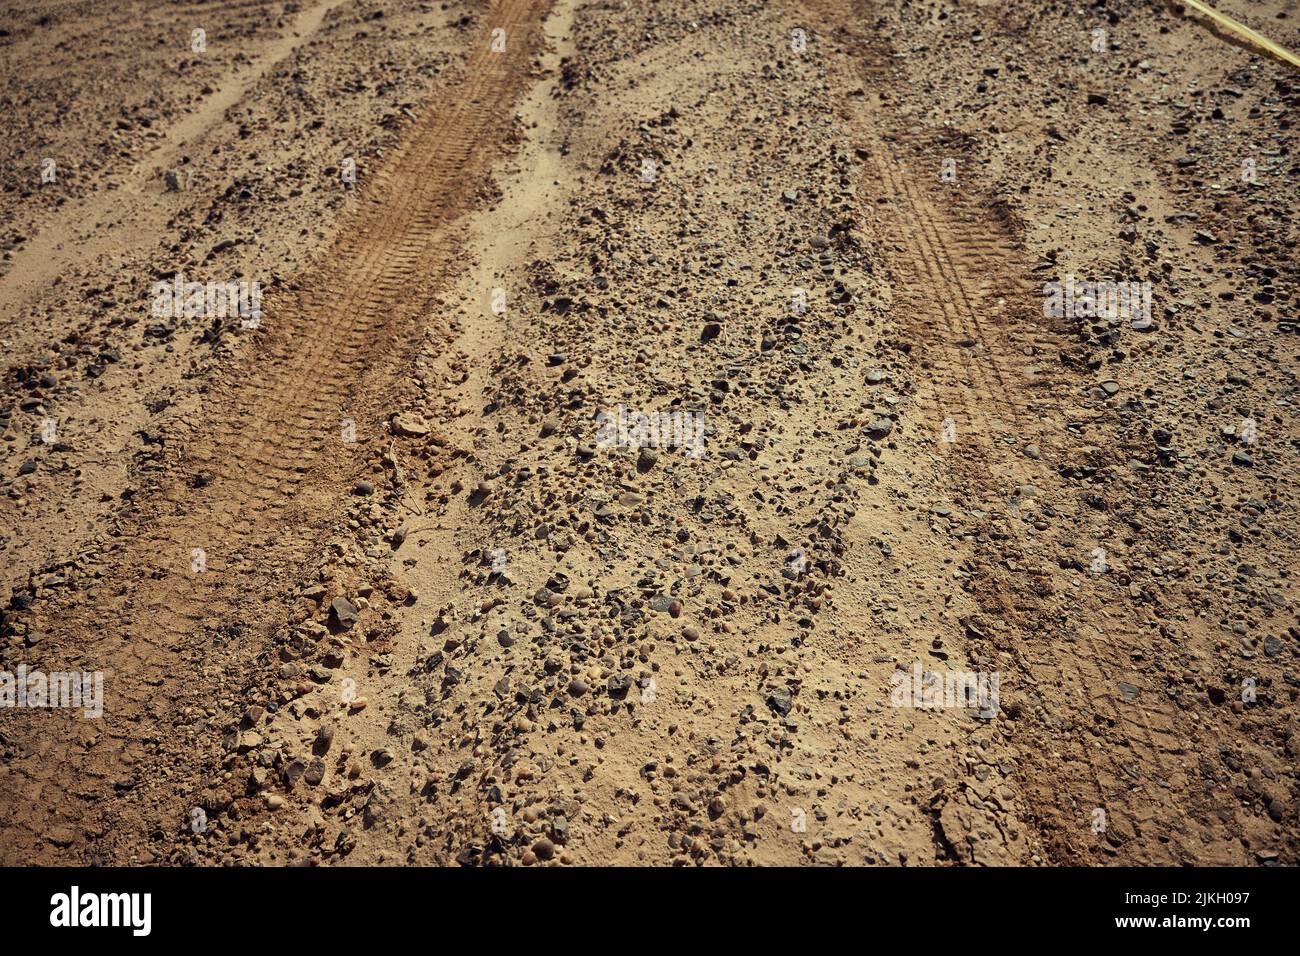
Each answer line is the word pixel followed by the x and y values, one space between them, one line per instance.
pixel 259 476
pixel 999 383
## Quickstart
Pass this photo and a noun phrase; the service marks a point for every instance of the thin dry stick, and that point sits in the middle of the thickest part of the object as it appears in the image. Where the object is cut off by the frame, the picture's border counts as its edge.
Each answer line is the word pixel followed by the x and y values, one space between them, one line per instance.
pixel 1244 31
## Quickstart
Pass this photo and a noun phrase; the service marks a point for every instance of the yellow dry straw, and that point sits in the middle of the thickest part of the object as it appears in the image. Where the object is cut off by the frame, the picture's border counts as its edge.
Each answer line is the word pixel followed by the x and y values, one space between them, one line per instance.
pixel 1242 30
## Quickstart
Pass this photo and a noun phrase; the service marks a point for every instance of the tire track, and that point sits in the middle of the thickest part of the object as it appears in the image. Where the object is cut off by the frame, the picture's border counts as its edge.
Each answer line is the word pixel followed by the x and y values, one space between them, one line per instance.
pixel 942 303
pixel 952 258
pixel 1094 673
pixel 952 276
pixel 236 490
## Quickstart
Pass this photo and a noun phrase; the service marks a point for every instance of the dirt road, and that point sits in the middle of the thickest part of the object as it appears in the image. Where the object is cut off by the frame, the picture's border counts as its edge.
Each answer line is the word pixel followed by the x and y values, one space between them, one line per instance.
pixel 690 437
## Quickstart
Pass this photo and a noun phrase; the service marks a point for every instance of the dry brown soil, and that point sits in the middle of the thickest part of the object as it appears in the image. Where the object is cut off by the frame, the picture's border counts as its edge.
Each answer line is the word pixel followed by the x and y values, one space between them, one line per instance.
pixel 366 586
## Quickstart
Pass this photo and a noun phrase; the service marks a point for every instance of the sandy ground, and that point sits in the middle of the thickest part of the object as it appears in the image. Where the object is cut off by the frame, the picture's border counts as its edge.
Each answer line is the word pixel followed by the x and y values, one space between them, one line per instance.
pixel 377 577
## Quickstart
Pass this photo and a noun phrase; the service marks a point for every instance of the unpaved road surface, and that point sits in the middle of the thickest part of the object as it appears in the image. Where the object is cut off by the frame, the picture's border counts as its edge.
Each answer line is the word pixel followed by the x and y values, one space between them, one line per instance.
pixel 667 434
